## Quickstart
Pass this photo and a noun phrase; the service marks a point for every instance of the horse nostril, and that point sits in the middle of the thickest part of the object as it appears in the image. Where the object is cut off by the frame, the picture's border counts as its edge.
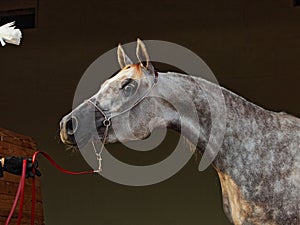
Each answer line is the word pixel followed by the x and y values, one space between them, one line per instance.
pixel 71 125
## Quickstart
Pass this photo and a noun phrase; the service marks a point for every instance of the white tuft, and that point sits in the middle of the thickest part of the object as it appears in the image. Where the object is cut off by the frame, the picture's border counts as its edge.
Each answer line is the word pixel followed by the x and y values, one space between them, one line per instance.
pixel 9 34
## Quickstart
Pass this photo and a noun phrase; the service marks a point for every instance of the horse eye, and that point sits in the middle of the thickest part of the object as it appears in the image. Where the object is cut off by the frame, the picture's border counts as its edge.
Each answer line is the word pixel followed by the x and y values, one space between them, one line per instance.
pixel 126 82
pixel 130 89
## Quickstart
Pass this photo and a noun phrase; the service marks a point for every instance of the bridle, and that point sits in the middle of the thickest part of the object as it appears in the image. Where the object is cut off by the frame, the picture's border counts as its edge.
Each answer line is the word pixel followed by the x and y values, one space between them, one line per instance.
pixel 107 120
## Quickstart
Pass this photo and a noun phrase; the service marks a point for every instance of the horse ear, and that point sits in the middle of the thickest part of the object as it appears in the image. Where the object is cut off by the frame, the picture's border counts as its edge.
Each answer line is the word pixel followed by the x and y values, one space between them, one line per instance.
pixel 123 59
pixel 141 53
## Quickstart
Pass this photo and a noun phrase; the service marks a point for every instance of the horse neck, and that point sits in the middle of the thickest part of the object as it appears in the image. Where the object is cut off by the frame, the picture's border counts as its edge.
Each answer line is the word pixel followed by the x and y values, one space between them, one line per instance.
pixel 181 106
pixel 259 156
pixel 203 95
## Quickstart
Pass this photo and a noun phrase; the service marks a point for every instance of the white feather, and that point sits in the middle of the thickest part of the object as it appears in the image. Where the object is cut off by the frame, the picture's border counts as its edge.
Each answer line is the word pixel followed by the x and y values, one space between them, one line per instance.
pixel 9 34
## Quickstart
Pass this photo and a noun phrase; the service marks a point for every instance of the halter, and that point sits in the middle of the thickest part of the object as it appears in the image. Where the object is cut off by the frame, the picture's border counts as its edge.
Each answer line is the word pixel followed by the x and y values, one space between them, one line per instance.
pixel 107 121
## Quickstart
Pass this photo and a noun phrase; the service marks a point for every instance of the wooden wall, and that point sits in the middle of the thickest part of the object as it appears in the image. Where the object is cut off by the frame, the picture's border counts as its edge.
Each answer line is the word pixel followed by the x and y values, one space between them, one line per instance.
pixel 14 144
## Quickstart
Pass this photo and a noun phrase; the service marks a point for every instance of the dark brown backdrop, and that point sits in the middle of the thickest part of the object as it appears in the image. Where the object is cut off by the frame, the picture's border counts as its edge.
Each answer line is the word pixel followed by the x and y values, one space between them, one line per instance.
pixel 253 47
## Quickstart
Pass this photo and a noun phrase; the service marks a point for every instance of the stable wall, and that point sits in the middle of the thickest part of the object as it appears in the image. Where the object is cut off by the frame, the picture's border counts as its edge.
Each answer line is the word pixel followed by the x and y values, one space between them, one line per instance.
pixel 253 48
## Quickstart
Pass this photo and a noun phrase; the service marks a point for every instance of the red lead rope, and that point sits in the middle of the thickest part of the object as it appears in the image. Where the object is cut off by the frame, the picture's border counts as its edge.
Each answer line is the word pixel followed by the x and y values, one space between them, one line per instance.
pixel 21 187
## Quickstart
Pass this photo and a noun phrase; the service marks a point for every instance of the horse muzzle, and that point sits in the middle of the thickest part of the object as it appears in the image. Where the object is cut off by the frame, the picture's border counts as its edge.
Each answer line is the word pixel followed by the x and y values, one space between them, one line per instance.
pixel 77 128
pixel 68 128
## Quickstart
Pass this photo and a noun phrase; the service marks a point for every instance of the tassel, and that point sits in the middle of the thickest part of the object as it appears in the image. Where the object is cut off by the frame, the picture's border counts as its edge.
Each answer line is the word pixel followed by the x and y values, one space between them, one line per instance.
pixel 9 34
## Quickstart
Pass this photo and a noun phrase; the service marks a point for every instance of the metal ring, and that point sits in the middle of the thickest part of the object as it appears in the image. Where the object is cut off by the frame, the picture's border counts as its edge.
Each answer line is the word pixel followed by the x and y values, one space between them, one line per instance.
pixel 106 122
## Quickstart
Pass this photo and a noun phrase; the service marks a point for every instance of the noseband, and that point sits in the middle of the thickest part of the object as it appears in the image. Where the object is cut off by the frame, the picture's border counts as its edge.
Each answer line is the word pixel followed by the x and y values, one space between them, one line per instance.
pixel 107 120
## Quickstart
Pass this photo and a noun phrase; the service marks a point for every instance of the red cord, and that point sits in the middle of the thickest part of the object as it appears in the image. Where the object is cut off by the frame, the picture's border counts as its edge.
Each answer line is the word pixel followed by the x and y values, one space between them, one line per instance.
pixel 21 187
pixel 33 197
pixel 22 191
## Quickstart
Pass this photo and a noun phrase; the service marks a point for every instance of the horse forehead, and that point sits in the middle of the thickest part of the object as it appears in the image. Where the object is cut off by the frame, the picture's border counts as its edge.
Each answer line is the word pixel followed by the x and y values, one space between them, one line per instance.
pixel 134 72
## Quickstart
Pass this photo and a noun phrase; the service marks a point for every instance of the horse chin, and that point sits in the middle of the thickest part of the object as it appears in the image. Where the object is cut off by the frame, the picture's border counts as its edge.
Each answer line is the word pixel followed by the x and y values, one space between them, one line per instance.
pixel 80 141
pixel 69 144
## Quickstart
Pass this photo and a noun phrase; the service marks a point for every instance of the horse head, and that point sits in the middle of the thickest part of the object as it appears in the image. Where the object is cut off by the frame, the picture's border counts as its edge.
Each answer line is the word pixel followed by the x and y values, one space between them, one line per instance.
pixel 127 91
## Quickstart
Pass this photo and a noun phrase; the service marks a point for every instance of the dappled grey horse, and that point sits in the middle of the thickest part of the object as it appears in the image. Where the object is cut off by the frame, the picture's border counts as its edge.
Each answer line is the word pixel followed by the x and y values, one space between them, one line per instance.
pixel 259 160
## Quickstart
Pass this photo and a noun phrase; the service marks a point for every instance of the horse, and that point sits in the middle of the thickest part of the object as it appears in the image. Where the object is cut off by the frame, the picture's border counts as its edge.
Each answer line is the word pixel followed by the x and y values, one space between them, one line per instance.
pixel 258 163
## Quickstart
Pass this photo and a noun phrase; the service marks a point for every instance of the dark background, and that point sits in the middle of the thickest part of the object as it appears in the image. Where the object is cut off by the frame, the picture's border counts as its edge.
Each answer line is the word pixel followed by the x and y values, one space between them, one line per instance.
pixel 253 48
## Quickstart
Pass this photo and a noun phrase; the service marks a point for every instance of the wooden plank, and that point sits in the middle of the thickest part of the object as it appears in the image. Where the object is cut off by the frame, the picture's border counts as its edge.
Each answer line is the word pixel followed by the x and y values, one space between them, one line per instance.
pixel 15 134
pixel 10 189
pixel 6 5
pixel 9 149
pixel 26 212
pixel 7 202
pixel 25 220
pixel 15 179
pixel 18 12
pixel 18 141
